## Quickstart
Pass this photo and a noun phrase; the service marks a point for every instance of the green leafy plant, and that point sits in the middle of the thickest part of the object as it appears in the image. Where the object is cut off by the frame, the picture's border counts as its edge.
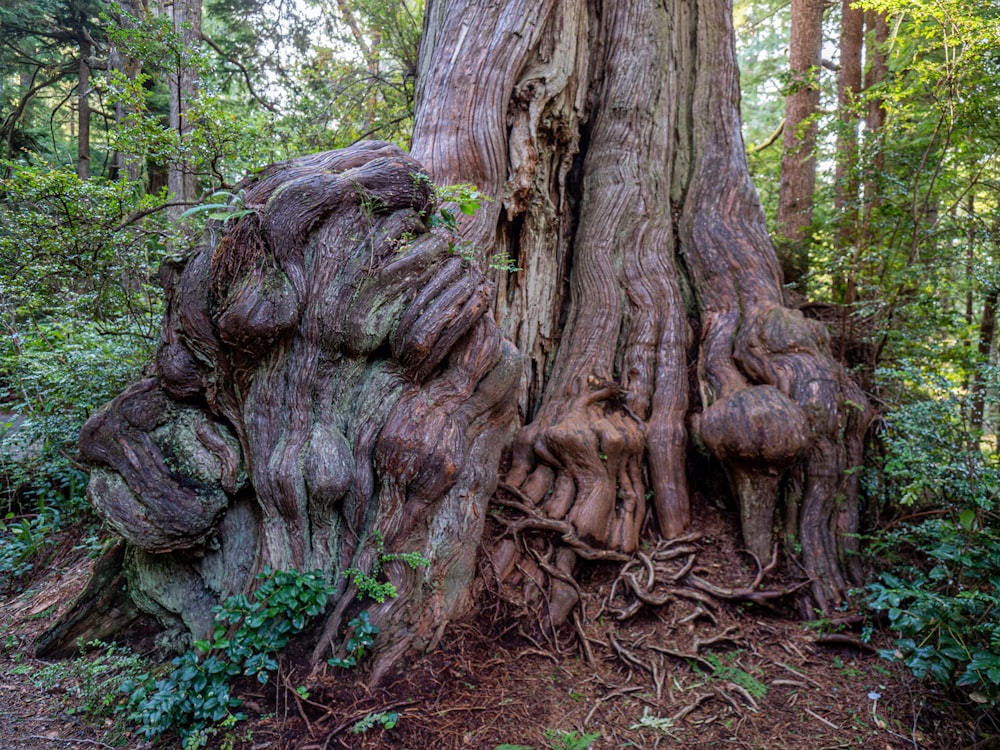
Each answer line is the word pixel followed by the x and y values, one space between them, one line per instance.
pixel 652 722
pixel 368 584
pixel 385 719
pixel 22 539
pixel 570 740
pixel 87 684
pixel 941 599
pixel 194 698
pixel 727 672
pixel 223 206
pixel 464 199
pixel 363 632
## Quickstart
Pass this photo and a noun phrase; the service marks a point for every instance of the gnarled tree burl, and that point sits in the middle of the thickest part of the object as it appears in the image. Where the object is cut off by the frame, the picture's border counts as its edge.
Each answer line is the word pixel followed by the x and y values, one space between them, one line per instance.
pixel 330 370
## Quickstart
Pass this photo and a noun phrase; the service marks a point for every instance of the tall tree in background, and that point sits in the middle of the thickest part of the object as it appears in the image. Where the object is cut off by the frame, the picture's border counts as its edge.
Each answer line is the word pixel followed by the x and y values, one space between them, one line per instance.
pixel 182 180
pixel 324 400
pixel 49 45
pixel 846 181
pixel 798 161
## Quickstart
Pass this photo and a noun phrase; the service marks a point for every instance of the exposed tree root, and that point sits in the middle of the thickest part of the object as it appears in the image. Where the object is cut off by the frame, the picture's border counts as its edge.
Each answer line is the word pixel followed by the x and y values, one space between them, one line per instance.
pixel 527 560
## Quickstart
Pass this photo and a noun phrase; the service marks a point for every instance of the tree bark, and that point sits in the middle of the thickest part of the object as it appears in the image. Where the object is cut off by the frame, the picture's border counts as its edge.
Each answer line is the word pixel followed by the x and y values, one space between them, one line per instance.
pixel 83 112
pixel 846 183
pixel 127 166
pixel 984 351
pixel 798 160
pixel 652 232
pixel 333 388
pixel 182 182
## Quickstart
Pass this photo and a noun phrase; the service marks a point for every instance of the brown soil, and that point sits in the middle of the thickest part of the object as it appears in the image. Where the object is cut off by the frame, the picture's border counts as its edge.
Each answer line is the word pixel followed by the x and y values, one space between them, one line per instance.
pixel 736 676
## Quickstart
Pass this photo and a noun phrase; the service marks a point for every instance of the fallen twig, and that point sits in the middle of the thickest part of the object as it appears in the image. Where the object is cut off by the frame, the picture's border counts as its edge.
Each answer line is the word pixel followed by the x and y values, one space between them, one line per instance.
pixel 62 739
pixel 821 719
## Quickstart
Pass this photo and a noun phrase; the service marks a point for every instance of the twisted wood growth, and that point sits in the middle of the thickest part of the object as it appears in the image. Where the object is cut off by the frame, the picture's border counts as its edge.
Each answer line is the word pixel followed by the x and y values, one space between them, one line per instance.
pixel 609 136
pixel 329 389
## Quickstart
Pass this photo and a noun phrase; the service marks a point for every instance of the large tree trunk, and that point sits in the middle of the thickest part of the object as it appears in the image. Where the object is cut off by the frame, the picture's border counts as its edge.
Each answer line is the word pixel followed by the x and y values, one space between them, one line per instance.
pixel 622 168
pixel 330 371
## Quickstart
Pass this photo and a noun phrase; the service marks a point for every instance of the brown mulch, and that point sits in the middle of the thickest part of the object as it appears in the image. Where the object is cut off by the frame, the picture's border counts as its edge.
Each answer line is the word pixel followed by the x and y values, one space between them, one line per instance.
pixel 730 676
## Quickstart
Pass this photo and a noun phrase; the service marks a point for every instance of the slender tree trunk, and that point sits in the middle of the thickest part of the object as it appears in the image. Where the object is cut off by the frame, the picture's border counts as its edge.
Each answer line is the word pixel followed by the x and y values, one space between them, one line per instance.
pixel 83 112
pixel 798 161
pixel 127 166
pixel 984 351
pixel 874 158
pixel 846 183
pixel 182 182
pixel 878 67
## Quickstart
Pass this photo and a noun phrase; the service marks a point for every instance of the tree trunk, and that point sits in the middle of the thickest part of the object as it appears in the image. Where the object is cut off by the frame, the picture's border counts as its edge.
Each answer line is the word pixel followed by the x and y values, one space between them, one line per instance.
pixel 332 389
pixel 83 112
pixel 798 160
pixel 182 182
pixel 984 351
pixel 846 183
pixel 127 166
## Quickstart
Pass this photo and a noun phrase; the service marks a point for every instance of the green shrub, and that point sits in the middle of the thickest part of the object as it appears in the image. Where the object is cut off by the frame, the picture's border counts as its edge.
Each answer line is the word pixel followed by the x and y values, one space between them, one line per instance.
pixel 195 698
pixel 941 573
pixel 944 603
pixel 79 317
pixel 931 458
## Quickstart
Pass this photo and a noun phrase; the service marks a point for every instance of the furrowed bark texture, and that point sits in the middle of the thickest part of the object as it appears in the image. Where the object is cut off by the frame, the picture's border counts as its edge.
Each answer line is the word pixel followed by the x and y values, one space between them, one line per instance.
pixel 330 389
pixel 608 135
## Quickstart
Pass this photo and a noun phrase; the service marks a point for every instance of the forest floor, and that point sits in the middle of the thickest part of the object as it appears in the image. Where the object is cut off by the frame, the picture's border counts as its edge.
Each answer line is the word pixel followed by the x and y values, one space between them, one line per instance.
pixel 731 676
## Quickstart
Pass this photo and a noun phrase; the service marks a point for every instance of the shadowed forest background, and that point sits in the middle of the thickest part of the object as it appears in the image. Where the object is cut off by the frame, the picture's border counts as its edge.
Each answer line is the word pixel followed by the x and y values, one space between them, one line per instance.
pixel 831 393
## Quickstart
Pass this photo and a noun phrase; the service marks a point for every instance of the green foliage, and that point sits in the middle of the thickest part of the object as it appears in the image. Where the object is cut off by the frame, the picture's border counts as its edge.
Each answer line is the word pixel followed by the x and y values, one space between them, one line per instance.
pixel 368 584
pixel 226 207
pixel 727 672
pixel 22 539
pixel 363 632
pixel 88 683
pixel 939 579
pixel 931 458
pixel 559 739
pixel 222 138
pixel 454 201
pixel 357 80
pixel 570 740
pixel 648 720
pixel 78 315
pixel 68 244
pixel 40 45
pixel 195 698
pixel 53 375
pixel 942 599
pixel 385 719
